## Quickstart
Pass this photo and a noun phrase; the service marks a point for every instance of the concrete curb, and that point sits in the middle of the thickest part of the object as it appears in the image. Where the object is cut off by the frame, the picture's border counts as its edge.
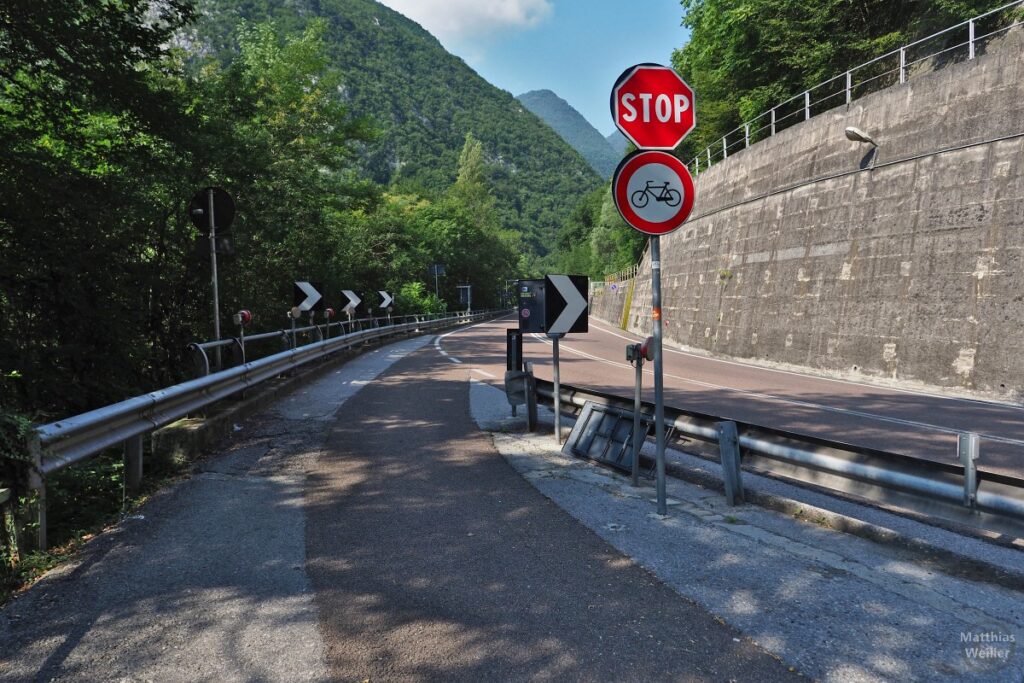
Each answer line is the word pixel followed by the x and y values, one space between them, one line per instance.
pixel 950 562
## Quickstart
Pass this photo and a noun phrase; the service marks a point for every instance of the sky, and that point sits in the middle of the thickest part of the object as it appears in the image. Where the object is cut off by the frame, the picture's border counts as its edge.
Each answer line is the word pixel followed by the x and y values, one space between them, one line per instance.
pixel 576 48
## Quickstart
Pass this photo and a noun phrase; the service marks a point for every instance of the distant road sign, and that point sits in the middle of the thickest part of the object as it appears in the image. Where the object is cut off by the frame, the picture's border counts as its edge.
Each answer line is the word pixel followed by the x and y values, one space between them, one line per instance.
pixel 653 191
pixel 307 296
pixel 223 209
pixel 565 306
pixel 353 301
pixel 653 106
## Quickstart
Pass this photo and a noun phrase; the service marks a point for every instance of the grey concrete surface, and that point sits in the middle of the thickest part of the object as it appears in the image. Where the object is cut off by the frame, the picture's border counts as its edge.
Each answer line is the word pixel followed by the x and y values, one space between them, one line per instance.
pixel 908 271
pixel 840 608
pixel 207 582
pixel 432 559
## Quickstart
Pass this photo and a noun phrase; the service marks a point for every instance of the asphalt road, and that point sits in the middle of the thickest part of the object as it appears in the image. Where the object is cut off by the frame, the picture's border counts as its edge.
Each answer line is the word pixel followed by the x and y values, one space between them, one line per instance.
pixel 433 559
pixel 903 421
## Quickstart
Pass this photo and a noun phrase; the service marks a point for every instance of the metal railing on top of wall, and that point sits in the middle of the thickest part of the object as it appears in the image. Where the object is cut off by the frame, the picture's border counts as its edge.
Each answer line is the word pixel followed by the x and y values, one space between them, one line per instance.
pixel 892 68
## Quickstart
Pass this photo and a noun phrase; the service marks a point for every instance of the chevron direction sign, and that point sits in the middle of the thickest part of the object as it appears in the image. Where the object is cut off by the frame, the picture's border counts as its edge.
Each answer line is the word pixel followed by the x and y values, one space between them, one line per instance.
pixel 385 299
pixel 307 296
pixel 353 301
pixel 565 305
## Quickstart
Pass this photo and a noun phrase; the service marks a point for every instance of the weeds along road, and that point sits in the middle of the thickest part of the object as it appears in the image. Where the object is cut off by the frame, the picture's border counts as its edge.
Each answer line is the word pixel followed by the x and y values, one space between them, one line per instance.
pixel 908 422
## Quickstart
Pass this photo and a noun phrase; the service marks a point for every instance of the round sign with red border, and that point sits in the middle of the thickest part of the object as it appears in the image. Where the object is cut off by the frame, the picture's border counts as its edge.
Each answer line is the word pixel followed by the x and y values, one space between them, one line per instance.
pixel 653 192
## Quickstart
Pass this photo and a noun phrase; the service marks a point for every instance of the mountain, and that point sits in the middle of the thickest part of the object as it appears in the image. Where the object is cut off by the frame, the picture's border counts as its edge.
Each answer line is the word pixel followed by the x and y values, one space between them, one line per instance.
pixel 573 128
pixel 425 101
pixel 618 142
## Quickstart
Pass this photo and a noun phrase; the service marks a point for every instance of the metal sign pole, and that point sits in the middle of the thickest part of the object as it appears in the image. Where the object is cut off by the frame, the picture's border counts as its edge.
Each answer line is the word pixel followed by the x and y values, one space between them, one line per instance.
pixel 635 474
pixel 213 267
pixel 558 390
pixel 659 403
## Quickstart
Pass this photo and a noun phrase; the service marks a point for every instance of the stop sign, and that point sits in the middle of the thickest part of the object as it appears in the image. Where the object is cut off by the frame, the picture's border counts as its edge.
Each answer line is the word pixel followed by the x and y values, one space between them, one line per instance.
pixel 653 106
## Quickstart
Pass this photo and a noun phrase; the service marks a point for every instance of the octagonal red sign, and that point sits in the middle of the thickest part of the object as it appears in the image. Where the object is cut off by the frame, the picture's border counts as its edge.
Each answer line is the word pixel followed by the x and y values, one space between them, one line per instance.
pixel 653 106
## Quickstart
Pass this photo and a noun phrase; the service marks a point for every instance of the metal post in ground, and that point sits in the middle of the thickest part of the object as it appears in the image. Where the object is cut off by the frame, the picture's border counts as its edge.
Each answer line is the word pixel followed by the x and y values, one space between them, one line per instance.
pixel 37 483
pixel 132 465
pixel 659 401
pixel 558 391
pixel 969 449
pixel 635 474
pixel 213 267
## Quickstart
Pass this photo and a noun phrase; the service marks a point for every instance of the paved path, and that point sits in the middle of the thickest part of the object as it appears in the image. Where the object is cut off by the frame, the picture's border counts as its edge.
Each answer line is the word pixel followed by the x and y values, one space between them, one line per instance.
pixel 432 559
pixel 362 528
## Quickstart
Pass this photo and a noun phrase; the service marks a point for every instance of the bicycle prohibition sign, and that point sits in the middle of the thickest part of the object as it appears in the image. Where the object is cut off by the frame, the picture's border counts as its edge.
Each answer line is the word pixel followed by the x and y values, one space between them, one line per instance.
pixel 653 191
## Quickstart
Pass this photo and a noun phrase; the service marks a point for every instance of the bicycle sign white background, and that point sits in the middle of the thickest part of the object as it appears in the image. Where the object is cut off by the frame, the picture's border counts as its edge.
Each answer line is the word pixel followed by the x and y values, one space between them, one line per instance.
pixel 653 191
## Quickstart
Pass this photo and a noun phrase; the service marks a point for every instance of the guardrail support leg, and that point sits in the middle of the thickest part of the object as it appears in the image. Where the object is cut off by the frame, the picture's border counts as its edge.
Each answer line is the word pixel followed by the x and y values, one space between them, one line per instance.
pixel 729 448
pixel 38 484
pixel 132 464
pixel 968 448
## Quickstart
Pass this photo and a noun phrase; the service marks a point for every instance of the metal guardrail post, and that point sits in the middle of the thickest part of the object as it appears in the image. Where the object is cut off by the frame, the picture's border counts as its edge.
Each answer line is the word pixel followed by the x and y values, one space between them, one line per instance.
pixel 132 464
pixel 709 157
pixel 903 65
pixel 968 448
pixel 807 105
pixel 970 39
pixel 746 135
pixel 725 149
pixel 773 120
pixel 849 87
pixel 729 449
pixel 38 483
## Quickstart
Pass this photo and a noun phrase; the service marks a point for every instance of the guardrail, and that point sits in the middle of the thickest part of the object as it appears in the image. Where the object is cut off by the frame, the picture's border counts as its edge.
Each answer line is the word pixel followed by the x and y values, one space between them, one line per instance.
pixel 888 69
pixel 962 493
pixel 74 439
pixel 289 337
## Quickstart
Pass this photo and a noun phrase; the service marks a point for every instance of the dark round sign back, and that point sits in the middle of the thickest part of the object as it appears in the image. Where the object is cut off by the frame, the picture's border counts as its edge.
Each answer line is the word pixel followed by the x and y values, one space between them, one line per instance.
pixel 223 209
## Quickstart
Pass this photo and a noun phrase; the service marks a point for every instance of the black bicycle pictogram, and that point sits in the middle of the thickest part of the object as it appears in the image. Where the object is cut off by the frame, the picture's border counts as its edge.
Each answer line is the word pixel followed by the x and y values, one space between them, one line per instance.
pixel 660 193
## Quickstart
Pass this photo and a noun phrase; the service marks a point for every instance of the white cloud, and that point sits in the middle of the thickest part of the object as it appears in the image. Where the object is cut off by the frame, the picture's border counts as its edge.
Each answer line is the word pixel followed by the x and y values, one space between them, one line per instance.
pixel 462 20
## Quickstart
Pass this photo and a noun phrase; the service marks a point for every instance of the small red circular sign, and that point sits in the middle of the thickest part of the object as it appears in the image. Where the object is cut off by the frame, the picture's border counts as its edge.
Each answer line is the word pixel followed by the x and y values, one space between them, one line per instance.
pixel 653 192
pixel 525 313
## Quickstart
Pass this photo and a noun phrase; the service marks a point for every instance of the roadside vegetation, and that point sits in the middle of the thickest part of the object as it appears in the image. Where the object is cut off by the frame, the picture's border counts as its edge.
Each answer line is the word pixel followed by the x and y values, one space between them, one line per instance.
pixel 108 125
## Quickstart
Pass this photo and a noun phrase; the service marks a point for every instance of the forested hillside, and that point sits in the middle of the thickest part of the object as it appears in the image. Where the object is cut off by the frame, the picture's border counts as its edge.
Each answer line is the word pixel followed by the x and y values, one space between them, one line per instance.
pixel 424 102
pixel 110 121
pixel 574 129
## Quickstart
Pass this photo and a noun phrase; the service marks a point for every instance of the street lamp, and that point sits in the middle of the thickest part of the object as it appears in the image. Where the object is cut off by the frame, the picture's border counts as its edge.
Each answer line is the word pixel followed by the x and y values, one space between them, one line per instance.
pixel 855 134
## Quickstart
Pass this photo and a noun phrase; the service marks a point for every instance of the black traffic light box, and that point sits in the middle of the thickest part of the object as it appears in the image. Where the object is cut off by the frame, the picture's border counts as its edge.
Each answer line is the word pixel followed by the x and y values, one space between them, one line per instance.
pixel 531 305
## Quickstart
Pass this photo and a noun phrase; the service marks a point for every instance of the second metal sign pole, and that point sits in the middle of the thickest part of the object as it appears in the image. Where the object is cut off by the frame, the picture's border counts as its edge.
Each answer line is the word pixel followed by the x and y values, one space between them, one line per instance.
pixel 558 389
pixel 213 267
pixel 659 403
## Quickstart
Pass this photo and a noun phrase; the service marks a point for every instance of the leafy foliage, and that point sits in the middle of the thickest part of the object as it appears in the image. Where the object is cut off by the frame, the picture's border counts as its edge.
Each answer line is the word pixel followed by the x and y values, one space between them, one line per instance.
pixel 745 56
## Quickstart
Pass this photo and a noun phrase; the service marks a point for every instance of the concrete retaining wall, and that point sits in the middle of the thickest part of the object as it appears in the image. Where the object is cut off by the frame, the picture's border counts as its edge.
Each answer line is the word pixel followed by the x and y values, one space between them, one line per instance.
pixel 800 255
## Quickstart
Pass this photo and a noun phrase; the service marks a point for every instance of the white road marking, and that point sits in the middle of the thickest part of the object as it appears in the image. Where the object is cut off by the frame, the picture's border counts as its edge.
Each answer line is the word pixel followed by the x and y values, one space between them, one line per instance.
pixel 483 372
pixel 804 375
pixel 438 338
pixel 780 399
